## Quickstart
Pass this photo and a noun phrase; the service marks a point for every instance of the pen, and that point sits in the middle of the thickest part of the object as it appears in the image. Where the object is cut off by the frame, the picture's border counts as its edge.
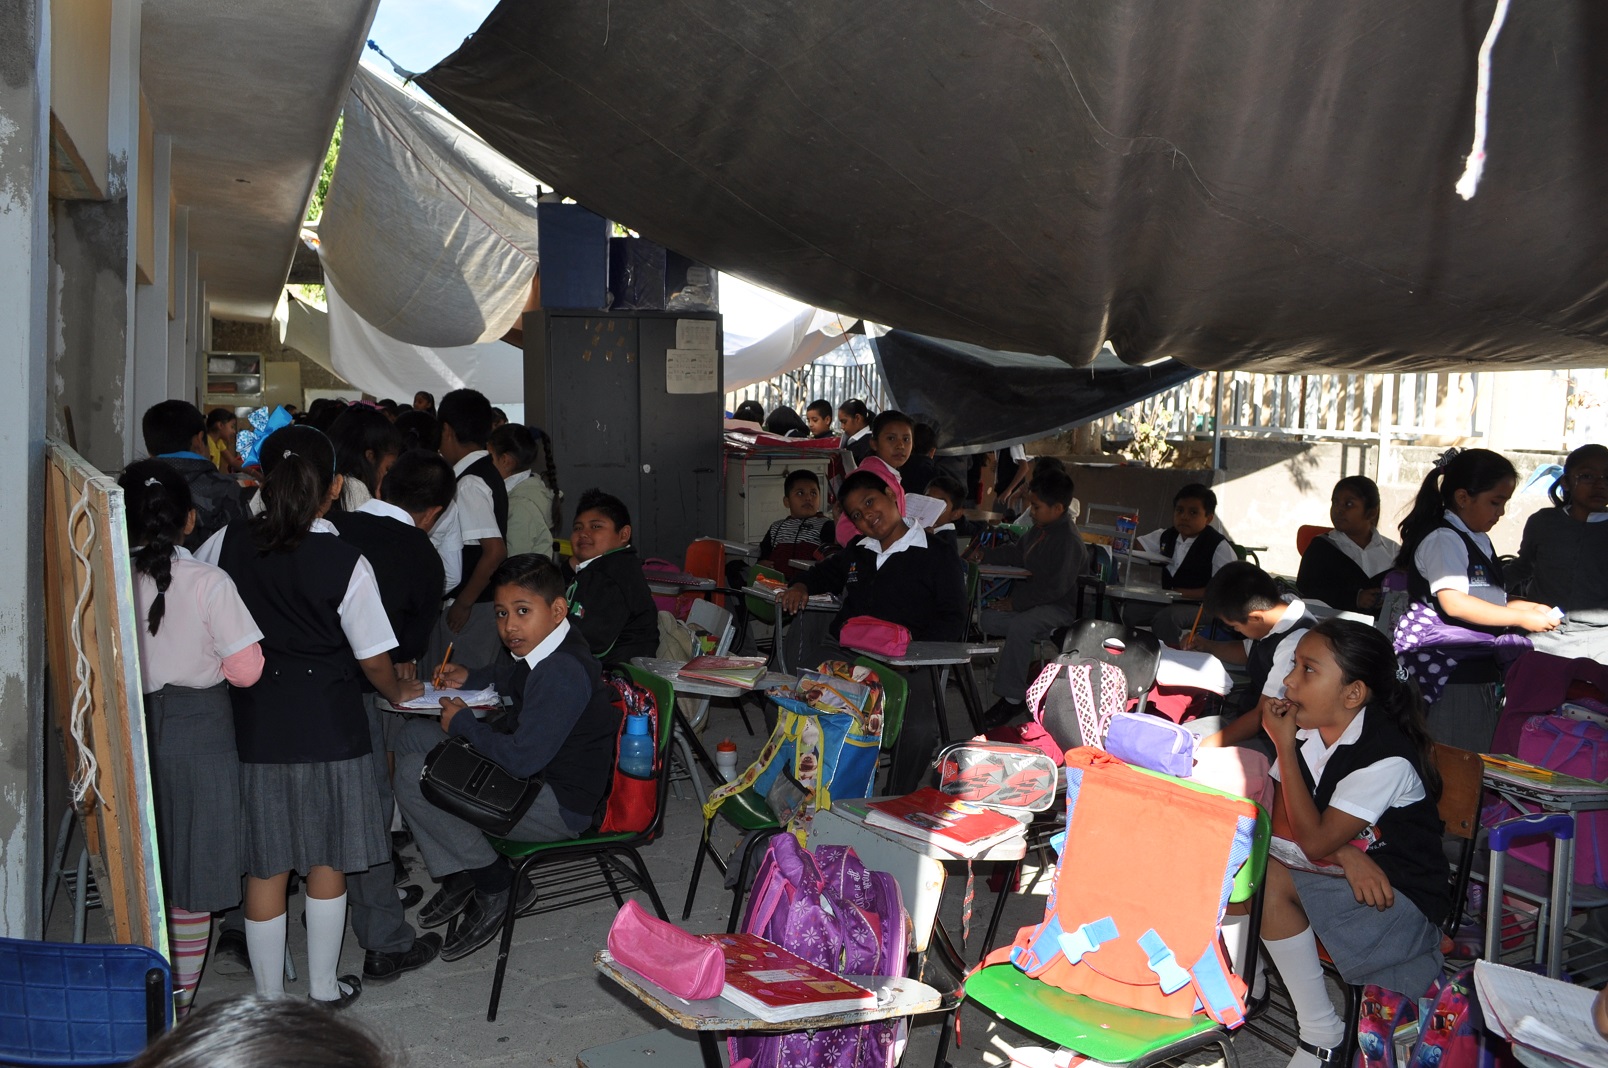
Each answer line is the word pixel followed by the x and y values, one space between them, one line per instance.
pixel 447 656
pixel 1516 765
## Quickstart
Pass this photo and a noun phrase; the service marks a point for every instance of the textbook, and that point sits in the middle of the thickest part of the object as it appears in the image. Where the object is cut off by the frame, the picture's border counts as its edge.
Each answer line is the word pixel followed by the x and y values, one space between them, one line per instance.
pixel 1541 1014
pixel 928 815
pixel 777 985
pixel 744 671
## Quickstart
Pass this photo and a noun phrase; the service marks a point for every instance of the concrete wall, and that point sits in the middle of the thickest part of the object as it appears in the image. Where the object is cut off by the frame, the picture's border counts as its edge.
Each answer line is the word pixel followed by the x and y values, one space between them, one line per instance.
pixel 229 335
pixel 24 267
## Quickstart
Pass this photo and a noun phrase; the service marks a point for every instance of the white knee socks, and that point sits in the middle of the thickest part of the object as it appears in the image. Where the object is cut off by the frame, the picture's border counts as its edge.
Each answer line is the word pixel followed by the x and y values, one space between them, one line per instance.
pixel 265 944
pixel 326 924
pixel 1296 959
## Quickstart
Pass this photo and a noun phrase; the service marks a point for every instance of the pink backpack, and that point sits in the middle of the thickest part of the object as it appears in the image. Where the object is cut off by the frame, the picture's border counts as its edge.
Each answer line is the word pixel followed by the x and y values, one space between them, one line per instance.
pixel 665 602
pixel 1072 702
pixel 1573 747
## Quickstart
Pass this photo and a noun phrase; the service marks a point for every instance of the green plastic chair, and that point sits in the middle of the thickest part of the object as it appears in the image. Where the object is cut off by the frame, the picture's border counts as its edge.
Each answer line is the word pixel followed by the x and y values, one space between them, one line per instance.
pixel 610 851
pixel 1113 1034
pixel 895 695
pixel 758 607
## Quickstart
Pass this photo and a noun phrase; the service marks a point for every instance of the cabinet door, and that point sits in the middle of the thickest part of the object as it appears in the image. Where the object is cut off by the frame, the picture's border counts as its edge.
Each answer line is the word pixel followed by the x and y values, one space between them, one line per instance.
pixel 590 373
pixel 681 437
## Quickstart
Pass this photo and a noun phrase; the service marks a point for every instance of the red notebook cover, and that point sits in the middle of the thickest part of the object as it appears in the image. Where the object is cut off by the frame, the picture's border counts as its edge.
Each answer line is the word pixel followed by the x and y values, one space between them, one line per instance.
pixel 777 985
pixel 932 816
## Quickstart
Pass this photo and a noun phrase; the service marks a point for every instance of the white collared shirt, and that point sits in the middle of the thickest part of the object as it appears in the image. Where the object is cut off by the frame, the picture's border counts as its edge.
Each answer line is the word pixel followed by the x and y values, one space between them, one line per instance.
pixel 1442 559
pixel 856 436
pixel 375 506
pixel 913 538
pixel 1223 554
pixel 476 513
pixel 1379 556
pixel 1366 793
pixel 547 645
pixel 515 479
pixel 1284 655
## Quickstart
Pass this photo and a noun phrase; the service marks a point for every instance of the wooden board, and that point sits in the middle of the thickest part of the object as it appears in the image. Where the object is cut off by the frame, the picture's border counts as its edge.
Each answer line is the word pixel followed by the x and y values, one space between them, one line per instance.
pixel 84 509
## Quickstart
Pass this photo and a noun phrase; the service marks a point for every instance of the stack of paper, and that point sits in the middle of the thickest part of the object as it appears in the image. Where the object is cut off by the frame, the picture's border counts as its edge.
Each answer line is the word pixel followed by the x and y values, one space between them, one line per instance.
pixel 1541 1014
pixel 432 698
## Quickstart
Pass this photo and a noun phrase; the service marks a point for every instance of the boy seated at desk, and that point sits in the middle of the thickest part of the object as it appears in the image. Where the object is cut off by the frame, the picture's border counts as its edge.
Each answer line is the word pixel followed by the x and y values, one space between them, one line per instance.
pixel 1043 601
pixel 894 572
pixel 952 527
pixel 1195 551
pixel 608 595
pixel 1246 599
pixel 804 533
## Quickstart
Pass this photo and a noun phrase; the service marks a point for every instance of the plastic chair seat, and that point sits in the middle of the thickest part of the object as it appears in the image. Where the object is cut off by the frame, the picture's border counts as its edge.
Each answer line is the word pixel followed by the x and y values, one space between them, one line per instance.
pixel 747 811
pixel 519 850
pixel 1108 1033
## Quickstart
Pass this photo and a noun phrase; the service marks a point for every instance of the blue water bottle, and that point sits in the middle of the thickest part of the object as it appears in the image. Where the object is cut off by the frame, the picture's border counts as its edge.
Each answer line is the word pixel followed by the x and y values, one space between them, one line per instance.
pixel 636 747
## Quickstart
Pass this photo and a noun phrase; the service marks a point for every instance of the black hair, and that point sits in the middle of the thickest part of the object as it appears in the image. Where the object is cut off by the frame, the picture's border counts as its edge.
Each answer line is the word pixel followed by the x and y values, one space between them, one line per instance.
pixel 171 426
pixel 1473 471
pixel 498 418
pixel 1052 486
pixel 947 484
pixel 860 481
pixel 797 475
pixel 1048 463
pixel 429 398
pixel 613 509
pixel 888 418
pixel 356 434
pixel 1238 589
pixel 219 416
pixel 253 1030
pixel 468 413
pixel 821 407
pixel 323 412
pixel 1366 489
pixel 533 572
pixel 298 464
pixel 1196 491
pixel 923 439
pixel 1559 494
pixel 1365 655
pixel 419 430
pixel 549 472
pixel 512 439
pixel 750 411
pixel 785 422
pixel 418 481
pixel 855 408
pixel 158 501
pixel 386 402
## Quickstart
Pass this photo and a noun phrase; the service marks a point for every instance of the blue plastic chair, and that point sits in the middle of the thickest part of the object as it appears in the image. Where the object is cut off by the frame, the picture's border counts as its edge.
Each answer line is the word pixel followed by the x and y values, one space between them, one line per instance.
pixel 66 1003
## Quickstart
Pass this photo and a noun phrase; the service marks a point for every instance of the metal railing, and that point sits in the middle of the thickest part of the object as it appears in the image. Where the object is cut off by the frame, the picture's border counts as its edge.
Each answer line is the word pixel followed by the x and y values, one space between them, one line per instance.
pixel 847 372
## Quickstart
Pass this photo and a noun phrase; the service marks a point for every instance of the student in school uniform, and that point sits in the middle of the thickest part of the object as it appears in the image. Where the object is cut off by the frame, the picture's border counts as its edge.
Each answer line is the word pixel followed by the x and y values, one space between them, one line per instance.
pixel 818 417
pixel 1245 599
pixel 366 445
pixel 1563 556
pixel 894 572
pixel 1454 575
pixel 1044 601
pixel 609 600
pixel 920 468
pixel 952 528
pixel 855 420
pixel 533 512
pixel 175 431
pixel 392 533
pixel 891 435
pixel 804 533
pixel 563 725
pixel 1358 787
pixel 301 731
pixel 1343 567
pixel 479 519
pixel 1196 551
pixel 196 638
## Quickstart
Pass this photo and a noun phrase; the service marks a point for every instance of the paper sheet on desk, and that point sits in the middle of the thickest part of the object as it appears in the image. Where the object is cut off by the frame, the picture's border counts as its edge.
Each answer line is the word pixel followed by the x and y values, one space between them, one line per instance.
pixel 431 700
pixel 1544 1014
pixel 1190 669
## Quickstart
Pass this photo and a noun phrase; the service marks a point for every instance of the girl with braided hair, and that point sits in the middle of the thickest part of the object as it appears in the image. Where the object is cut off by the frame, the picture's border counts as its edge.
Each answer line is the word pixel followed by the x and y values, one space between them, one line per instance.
pixel 196 638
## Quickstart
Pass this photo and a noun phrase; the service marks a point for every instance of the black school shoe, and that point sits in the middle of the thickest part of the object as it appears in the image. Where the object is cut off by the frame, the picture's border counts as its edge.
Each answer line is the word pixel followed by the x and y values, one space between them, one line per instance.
pixel 354 990
pixel 383 967
pixel 229 954
pixel 483 918
pixel 1002 712
pixel 447 902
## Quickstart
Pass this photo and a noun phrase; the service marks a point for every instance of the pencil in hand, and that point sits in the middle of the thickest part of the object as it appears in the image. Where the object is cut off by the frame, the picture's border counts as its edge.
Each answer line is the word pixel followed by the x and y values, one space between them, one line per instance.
pixel 441 671
pixel 1190 644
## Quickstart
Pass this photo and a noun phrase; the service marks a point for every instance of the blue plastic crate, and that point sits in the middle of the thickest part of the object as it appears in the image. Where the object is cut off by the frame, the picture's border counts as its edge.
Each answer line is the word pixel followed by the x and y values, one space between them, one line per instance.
pixel 62 1003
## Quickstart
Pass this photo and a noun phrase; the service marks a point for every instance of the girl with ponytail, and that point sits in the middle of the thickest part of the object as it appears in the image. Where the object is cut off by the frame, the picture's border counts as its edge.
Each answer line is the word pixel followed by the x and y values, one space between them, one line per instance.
pixel 302 732
pixel 196 638
pixel 1563 557
pixel 1459 602
pixel 1356 793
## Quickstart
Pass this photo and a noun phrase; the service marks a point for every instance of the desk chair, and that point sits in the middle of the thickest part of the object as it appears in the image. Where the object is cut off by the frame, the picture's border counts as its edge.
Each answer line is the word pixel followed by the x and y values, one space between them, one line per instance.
pixel 65 1003
pixel 1113 1034
pixel 717 621
pixel 757 608
pixel 1136 652
pixel 1306 534
pixel 609 851
pixel 706 559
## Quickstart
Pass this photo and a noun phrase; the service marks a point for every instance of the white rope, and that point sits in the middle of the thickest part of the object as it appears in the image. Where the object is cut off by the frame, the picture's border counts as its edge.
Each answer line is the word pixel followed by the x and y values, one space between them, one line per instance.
pixel 1470 181
pixel 87 772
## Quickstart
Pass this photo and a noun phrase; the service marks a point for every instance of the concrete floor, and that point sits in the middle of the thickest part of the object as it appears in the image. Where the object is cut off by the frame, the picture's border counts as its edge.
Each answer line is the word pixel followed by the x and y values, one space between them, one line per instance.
pixel 555 1004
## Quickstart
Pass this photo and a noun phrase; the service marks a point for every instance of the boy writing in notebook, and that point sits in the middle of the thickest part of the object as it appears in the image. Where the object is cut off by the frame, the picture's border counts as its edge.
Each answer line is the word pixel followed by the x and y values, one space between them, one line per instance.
pixel 1042 602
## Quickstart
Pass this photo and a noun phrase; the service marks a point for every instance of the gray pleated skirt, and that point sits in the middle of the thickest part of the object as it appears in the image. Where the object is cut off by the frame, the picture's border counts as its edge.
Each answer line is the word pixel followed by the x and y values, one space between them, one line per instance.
pixel 195 776
pixel 301 816
pixel 1398 949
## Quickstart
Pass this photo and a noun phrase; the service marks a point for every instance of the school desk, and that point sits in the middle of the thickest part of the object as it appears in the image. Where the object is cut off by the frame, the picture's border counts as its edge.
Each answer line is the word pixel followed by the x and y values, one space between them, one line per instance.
pixel 937 658
pixel 819 602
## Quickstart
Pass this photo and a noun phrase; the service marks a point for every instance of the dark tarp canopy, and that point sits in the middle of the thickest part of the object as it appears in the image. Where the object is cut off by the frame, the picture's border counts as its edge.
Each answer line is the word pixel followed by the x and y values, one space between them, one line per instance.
pixel 1264 183
pixel 980 398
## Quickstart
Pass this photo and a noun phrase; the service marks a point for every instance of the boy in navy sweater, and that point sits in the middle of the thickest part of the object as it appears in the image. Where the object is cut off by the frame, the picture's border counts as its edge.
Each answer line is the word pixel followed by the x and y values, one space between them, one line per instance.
pixel 563 726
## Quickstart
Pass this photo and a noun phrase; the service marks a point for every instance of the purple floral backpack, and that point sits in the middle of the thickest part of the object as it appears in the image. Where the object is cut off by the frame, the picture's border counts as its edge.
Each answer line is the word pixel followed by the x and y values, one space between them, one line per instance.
pixel 829 909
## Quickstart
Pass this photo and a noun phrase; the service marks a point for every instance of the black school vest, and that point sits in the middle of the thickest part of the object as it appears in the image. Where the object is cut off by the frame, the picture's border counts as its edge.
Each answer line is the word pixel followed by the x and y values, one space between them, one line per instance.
pixel 487 471
pixel 308 706
pixel 1407 840
pixel 1482 570
pixel 1195 570
pixel 1259 660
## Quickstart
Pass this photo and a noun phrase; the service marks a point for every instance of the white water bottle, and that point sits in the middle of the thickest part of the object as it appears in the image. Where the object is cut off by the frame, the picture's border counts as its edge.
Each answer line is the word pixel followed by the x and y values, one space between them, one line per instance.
pixel 726 759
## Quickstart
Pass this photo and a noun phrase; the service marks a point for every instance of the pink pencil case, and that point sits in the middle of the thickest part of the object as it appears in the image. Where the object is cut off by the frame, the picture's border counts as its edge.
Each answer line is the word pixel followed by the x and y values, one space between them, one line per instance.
pixel 686 965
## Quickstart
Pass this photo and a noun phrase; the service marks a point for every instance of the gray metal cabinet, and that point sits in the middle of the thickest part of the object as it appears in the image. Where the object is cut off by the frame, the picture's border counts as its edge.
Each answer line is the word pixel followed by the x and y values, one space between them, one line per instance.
pixel 597 383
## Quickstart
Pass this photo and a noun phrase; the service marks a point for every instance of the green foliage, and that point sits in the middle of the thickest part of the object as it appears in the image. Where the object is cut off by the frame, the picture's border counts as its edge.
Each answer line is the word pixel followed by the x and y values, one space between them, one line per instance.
pixel 315 207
